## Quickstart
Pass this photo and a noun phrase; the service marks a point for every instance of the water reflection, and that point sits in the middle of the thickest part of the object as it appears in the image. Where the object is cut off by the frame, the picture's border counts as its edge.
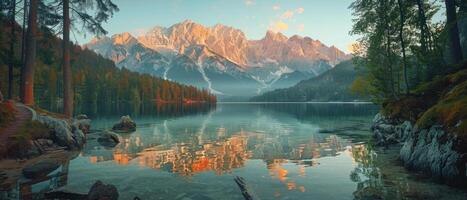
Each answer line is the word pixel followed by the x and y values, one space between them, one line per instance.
pixel 231 136
pixel 136 109
pixel 194 154
pixel 380 175
pixel 16 186
pixel 280 150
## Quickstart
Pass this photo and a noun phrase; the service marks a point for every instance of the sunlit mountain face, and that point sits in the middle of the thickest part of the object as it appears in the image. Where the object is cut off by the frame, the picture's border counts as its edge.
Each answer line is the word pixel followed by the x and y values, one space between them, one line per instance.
pixel 220 58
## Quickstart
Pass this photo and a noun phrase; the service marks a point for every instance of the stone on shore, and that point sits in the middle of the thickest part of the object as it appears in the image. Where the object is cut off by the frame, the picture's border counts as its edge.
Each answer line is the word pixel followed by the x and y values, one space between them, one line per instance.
pixel 126 125
pixel 83 123
pixel 40 169
pixel 63 134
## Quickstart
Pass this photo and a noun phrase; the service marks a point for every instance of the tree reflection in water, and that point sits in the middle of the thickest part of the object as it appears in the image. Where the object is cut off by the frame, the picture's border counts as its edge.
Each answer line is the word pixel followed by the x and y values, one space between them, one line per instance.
pixel 379 174
pixel 15 186
pixel 366 174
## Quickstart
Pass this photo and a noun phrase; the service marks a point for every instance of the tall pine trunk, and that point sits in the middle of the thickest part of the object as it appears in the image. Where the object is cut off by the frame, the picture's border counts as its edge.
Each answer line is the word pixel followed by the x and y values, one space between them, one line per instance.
pixel 12 49
pixel 462 25
pixel 401 38
pixel 23 47
pixel 30 55
pixel 67 78
pixel 453 31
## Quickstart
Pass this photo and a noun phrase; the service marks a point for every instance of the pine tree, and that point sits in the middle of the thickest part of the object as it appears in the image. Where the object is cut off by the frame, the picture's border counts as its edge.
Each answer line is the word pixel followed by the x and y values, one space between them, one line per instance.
pixel 30 55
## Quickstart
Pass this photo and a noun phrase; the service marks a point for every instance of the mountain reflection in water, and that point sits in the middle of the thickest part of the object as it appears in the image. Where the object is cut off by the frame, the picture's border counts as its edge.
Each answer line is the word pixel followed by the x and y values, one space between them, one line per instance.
pixel 221 155
pixel 283 151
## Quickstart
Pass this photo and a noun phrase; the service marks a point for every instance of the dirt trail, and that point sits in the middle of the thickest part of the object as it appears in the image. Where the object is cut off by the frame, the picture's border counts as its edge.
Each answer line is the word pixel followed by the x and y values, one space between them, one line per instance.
pixel 22 116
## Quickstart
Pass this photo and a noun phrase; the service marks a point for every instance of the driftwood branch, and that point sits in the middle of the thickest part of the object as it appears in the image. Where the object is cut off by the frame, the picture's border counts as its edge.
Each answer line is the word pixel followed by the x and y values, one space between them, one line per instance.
pixel 242 185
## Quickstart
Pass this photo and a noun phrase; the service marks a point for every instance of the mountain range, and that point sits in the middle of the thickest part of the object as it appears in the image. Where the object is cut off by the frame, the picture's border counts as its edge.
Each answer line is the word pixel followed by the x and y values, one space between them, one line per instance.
pixel 220 58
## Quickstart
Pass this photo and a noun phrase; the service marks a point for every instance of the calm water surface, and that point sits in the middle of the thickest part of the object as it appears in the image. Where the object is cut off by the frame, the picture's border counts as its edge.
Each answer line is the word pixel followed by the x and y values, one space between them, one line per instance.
pixel 277 148
pixel 283 151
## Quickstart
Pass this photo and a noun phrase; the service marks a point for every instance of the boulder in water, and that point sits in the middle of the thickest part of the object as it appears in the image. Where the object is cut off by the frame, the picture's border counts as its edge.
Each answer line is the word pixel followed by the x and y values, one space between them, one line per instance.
pixel 100 191
pixel 108 138
pixel 126 124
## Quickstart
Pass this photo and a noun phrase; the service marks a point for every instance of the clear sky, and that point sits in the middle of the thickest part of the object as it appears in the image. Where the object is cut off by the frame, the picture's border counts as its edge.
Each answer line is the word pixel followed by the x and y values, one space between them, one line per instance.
pixel 326 20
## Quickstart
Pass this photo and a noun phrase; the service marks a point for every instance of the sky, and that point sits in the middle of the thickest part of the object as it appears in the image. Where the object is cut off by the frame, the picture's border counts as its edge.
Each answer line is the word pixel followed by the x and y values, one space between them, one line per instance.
pixel 326 20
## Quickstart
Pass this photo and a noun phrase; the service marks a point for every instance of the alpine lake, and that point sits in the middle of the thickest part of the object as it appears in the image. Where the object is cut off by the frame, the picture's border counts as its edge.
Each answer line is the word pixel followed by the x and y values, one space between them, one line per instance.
pixel 281 150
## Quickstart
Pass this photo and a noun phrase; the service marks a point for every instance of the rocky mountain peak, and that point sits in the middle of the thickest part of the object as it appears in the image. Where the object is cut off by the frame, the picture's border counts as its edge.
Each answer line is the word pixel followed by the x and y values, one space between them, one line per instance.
pixel 212 56
pixel 275 36
pixel 123 39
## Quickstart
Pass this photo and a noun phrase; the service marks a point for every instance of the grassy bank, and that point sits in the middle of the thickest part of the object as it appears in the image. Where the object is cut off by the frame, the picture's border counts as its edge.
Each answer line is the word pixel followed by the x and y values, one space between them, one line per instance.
pixel 442 101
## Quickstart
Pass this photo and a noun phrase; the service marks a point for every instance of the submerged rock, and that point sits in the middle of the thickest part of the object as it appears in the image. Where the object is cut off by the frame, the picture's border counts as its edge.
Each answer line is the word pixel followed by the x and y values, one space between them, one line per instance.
pixel 101 191
pixel 126 124
pixel 108 138
pixel 39 169
pixel 98 191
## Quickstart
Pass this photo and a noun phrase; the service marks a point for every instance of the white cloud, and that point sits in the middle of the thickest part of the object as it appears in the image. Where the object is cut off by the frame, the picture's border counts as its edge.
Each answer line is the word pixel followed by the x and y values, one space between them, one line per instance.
pixel 287 14
pixel 300 10
pixel 278 26
pixel 301 27
pixel 276 7
pixel 249 2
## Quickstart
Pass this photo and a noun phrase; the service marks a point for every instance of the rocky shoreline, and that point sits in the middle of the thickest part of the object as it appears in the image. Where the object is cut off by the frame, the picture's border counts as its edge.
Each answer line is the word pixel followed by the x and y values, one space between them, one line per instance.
pixel 42 156
pixel 432 151
pixel 69 134
pixel 63 135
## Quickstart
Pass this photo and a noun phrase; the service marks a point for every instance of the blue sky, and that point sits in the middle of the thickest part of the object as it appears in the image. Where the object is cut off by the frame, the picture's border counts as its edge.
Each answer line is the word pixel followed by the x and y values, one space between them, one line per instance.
pixel 326 20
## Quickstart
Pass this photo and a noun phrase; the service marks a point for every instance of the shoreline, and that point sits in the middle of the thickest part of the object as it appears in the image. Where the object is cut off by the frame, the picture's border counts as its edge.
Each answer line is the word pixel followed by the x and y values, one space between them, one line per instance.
pixel 296 102
pixel 391 174
pixel 431 151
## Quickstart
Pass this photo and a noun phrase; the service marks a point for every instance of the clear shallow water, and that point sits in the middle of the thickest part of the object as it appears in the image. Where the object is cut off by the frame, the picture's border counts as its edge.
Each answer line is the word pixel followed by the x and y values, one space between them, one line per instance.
pixel 283 151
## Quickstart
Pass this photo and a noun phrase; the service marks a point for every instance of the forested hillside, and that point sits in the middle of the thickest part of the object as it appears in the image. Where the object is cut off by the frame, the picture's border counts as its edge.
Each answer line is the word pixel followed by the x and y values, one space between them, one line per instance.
pixel 96 80
pixel 333 85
